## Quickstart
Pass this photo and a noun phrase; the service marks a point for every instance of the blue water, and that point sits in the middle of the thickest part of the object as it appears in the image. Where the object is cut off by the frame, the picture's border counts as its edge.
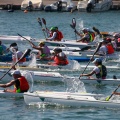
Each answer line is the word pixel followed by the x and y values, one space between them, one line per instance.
pixel 26 24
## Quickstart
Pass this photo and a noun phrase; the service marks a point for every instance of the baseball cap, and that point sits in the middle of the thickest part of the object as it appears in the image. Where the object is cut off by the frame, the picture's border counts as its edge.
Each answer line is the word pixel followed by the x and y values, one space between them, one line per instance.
pixel 98 60
pixel 16 72
pixel 42 42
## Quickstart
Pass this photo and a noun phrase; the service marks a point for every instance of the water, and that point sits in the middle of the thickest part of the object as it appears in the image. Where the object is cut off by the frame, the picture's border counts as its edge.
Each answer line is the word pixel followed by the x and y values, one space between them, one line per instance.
pixel 26 24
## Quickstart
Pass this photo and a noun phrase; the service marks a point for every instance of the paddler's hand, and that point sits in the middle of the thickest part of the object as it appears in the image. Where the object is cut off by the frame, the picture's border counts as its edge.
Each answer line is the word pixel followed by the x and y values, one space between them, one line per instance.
pixel 43 29
pixel 81 75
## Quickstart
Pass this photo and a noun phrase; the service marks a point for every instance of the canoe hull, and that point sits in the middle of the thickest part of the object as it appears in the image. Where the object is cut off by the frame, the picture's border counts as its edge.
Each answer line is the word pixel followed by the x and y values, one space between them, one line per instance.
pixel 67 100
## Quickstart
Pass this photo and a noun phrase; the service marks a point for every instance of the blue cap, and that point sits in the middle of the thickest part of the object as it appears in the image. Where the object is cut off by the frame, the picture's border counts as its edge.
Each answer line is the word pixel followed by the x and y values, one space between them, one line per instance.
pixel 97 60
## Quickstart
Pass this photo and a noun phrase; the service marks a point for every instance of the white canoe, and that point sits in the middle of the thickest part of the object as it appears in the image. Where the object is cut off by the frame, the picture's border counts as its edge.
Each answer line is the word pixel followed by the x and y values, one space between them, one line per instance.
pixel 38 97
pixel 45 67
pixel 70 43
pixel 57 77
pixel 8 94
pixel 6 39
pixel 37 75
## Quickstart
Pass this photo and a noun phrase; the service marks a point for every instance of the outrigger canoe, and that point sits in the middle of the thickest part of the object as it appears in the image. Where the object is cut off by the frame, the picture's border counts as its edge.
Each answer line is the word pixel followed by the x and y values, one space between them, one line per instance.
pixel 9 94
pixel 57 77
pixel 76 100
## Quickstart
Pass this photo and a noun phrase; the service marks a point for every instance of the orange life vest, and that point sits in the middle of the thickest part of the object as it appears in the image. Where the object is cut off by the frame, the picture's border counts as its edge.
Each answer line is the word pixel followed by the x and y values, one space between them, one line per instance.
pixel 58 61
pixel 24 86
pixel 58 37
pixel 22 60
pixel 110 49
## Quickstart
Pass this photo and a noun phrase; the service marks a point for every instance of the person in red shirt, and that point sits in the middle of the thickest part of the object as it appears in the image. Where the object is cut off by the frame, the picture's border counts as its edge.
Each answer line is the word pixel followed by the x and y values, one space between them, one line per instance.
pixel 20 83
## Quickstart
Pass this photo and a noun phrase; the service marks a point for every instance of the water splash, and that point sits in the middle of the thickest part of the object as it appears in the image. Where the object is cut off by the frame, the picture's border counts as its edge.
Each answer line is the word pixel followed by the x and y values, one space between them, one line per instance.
pixel 81 25
pixel 33 62
pixel 73 65
pixel 74 84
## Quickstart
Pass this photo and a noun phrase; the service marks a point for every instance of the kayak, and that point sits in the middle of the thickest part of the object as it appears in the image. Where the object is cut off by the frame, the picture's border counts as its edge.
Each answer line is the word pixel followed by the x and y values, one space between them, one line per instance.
pixel 8 58
pixel 37 75
pixel 57 77
pixel 8 94
pixel 70 43
pixel 65 99
pixel 6 39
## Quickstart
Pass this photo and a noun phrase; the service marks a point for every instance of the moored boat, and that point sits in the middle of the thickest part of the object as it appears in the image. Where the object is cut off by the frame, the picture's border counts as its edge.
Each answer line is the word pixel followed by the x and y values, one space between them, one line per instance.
pixel 61 6
pixel 32 5
pixel 101 5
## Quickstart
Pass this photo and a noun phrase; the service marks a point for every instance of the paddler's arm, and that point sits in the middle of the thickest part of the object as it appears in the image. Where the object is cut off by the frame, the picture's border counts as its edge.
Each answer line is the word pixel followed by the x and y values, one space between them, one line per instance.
pixel 89 74
pixel 12 82
pixel 116 93
pixel 53 37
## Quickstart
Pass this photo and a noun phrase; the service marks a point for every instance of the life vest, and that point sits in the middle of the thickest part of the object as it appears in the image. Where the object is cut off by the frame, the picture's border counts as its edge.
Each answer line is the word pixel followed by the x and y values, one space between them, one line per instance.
pixel 110 48
pixel 22 60
pixel 92 36
pixel 59 61
pixel 58 37
pixel 24 86
pixel 103 72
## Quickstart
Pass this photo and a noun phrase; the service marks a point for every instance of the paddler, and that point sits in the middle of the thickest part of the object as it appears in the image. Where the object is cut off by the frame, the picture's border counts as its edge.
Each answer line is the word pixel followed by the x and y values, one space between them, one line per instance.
pixel 44 51
pixel 55 34
pixel 59 57
pixel 100 70
pixel 20 83
pixel 87 35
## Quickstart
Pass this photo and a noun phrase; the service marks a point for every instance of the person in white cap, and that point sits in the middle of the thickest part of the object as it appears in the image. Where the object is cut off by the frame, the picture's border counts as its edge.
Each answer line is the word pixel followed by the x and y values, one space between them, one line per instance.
pixel 20 83
pixel 100 70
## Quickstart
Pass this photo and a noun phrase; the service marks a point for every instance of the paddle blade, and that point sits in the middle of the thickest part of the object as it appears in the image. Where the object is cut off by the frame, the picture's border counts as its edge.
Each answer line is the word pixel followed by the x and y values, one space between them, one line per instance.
pixel 27 52
pixel 74 22
pixel 107 99
pixel 39 21
pixel 72 26
pixel 99 45
pixel 44 21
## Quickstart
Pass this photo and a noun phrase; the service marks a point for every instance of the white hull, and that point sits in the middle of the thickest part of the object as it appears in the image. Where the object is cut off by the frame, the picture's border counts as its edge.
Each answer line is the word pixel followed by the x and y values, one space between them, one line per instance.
pixel 8 94
pixel 103 5
pixel 37 76
pixel 54 76
pixel 67 100
pixel 10 39
pixel 37 5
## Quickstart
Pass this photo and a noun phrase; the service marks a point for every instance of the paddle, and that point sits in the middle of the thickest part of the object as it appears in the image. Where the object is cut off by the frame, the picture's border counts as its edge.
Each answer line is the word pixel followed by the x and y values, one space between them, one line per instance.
pixel 97 31
pixel 73 26
pixel 44 22
pixel 92 56
pixel 23 56
pixel 25 38
pixel 40 23
pixel 108 98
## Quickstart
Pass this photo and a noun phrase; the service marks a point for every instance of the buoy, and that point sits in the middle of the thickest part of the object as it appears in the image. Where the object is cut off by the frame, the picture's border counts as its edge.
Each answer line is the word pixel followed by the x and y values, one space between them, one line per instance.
pixel 25 11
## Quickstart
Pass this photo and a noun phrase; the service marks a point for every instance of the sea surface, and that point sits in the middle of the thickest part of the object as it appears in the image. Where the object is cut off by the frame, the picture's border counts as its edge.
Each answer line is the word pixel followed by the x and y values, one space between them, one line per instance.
pixel 26 24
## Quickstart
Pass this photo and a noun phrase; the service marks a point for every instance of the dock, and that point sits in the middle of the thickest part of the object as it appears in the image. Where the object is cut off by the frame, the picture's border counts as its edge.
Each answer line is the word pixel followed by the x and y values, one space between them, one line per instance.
pixel 16 4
